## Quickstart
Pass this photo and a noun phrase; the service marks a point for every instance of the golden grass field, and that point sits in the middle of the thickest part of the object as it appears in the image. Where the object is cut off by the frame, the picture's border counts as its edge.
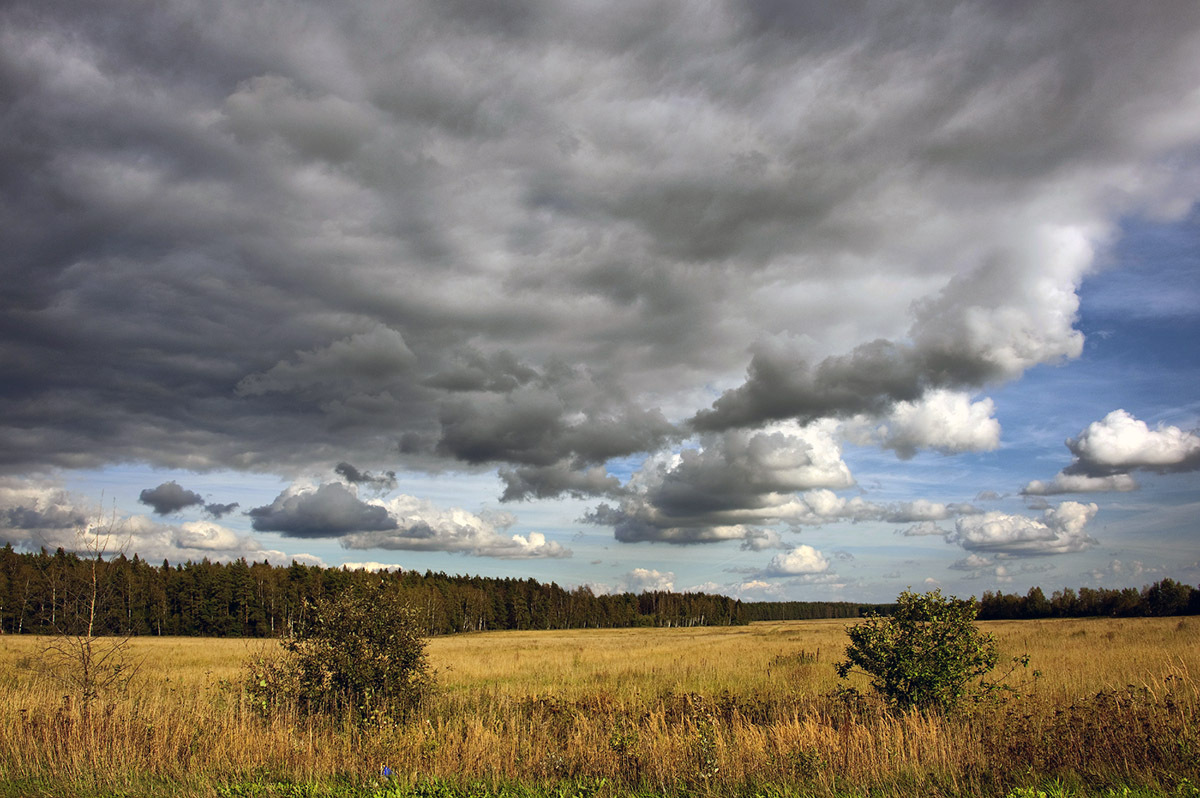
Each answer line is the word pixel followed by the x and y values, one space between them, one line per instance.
pixel 663 711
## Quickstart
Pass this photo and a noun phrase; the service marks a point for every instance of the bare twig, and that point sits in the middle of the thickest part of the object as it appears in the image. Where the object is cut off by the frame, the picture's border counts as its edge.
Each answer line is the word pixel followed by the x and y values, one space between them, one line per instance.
pixel 88 664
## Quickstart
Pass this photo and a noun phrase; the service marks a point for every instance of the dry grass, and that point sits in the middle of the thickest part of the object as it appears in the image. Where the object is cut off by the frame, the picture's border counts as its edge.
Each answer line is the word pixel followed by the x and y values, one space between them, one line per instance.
pixel 631 663
pixel 670 710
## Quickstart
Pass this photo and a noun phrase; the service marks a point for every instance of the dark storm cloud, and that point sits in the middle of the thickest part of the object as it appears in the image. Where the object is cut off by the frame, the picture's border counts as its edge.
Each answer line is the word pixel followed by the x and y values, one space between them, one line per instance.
pixel 868 380
pixel 220 510
pixel 645 527
pixel 473 370
pixel 169 497
pixel 565 415
pixel 539 236
pixel 542 482
pixel 381 483
pixel 329 511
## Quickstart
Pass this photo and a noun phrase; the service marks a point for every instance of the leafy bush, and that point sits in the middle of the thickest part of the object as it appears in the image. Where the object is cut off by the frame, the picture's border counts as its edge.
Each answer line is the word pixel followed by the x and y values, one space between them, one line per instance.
pixel 271 682
pixel 925 654
pixel 361 654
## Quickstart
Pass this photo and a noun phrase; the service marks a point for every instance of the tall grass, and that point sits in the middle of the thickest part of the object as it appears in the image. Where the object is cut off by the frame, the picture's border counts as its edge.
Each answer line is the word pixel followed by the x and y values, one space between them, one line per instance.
pixel 671 711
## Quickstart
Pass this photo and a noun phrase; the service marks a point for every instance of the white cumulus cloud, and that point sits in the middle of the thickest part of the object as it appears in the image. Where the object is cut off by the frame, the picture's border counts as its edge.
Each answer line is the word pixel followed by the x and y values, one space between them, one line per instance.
pixel 1060 530
pixel 1121 443
pixel 803 559
pixel 1107 451
pixel 420 525
pixel 944 421
pixel 1080 483
pixel 643 580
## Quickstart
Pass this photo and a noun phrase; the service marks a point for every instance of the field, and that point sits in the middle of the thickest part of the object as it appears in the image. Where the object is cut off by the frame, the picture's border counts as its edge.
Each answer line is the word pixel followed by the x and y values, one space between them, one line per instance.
pixel 713 711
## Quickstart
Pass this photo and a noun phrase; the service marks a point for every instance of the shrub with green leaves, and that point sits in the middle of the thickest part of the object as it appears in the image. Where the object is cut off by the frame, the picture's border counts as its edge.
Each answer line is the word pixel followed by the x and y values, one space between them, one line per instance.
pixel 360 654
pixel 923 656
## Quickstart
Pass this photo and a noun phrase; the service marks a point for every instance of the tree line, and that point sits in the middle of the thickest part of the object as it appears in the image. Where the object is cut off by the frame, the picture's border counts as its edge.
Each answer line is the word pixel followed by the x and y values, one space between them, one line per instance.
pixel 44 593
pixel 47 593
pixel 1165 597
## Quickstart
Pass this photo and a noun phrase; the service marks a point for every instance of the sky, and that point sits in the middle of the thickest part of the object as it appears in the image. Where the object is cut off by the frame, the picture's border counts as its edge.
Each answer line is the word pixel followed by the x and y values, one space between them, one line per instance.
pixel 780 300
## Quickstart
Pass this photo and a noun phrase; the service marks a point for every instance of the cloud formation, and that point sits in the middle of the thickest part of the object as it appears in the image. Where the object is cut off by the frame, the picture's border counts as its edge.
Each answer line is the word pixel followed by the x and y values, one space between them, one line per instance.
pixel 738 483
pixel 334 511
pixel 800 561
pixel 1127 572
pixel 545 482
pixel 169 498
pixel 330 510
pixel 39 512
pixel 35 513
pixel 647 580
pixel 396 235
pixel 734 483
pixel 943 421
pixel 418 525
pixel 1107 451
pixel 1120 443
pixel 980 567
pixel 1060 530
pixel 217 510
pixel 923 529
pixel 548 245
pixel 382 483
pixel 1080 483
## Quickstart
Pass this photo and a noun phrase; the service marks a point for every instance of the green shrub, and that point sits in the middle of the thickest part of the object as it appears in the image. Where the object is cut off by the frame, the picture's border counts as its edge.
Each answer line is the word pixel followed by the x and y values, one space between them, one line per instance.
pixel 361 654
pixel 923 656
pixel 270 682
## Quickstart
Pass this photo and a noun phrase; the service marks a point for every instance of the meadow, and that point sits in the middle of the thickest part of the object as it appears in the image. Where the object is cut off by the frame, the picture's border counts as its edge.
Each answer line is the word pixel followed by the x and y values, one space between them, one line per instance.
pixel 750 710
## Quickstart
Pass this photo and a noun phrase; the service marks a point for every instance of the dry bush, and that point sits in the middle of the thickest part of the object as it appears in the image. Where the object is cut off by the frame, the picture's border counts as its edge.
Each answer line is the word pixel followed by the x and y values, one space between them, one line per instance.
pixel 87 665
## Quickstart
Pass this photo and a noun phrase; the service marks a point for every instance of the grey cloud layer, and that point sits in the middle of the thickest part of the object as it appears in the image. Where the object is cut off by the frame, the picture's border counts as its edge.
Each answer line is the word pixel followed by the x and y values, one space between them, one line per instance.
pixel 334 510
pixel 32 512
pixel 37 513
pixel 430 234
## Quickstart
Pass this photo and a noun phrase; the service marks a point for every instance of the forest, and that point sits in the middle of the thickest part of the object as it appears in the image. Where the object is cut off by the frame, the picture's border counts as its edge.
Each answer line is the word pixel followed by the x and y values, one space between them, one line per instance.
pixel 1165 597
pixel 44 593
pixel 48 593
